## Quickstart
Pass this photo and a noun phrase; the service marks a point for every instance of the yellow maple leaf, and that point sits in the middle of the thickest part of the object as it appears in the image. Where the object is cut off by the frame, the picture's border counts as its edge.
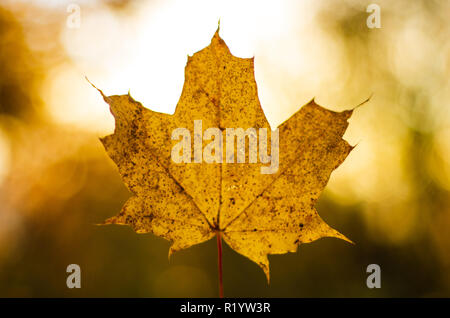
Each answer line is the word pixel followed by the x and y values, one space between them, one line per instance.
pixel 257 213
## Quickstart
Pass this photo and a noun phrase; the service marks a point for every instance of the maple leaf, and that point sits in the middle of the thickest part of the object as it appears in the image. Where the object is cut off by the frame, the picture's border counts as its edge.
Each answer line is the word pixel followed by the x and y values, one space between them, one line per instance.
pixel 189 203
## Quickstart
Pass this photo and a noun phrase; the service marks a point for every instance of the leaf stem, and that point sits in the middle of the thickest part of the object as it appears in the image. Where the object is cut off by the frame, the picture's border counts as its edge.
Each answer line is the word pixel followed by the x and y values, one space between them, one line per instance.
pixel 219 262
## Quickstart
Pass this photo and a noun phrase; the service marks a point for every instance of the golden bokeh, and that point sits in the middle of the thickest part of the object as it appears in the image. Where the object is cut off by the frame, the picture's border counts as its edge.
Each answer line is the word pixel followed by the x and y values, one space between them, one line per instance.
pixel 390 196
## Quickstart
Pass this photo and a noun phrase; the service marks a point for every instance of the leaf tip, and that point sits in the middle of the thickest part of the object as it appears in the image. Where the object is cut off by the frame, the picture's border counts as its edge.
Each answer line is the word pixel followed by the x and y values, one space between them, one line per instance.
pixel 265 267
pixel 267 275
pixel 216 34
pixel 354 146
pixel 171 251
pixel 364 102
pixel 344 238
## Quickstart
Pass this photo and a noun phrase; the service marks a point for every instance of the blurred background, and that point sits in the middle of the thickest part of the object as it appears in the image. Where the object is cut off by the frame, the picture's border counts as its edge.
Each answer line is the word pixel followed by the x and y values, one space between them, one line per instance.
pixel 391 195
